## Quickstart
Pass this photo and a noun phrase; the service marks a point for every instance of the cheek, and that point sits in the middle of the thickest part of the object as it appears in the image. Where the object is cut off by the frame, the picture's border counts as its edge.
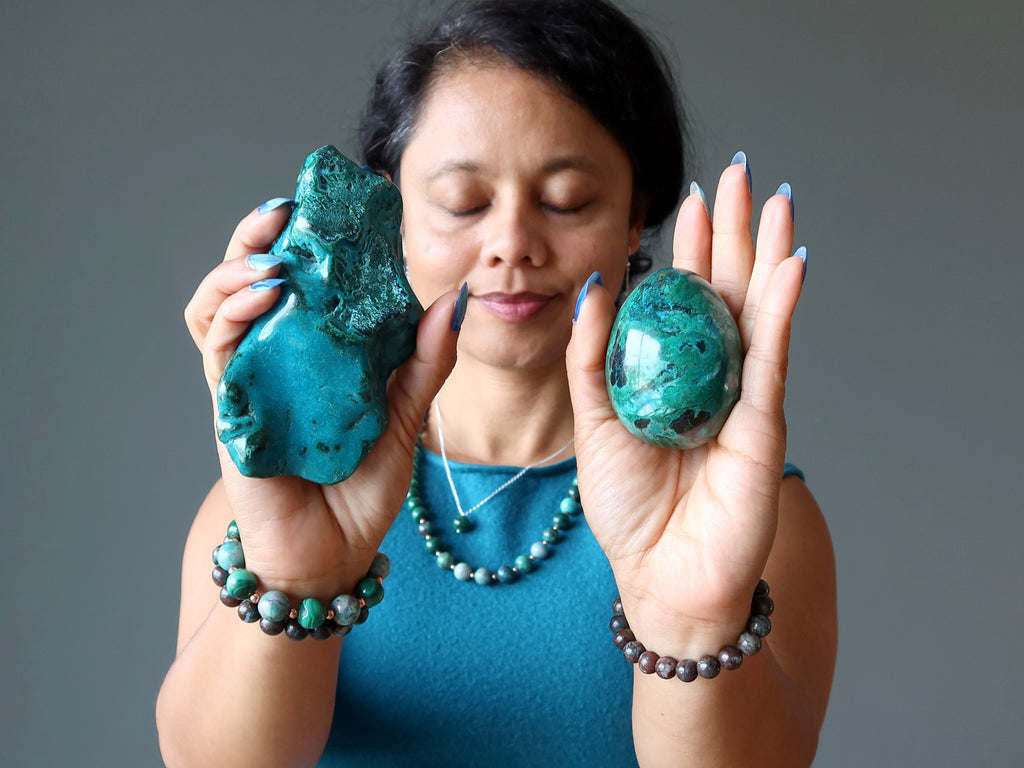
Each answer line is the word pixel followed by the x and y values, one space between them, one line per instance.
pixel 434 267
pixel 605 251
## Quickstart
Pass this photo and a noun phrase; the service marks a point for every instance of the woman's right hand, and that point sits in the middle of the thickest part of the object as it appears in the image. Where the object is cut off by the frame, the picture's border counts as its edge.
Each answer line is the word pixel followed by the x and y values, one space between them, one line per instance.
pixel 303 538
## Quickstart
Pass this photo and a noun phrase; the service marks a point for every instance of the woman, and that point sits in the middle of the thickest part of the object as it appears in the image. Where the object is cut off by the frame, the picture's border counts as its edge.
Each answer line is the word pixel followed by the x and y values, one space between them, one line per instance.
pixel 534 142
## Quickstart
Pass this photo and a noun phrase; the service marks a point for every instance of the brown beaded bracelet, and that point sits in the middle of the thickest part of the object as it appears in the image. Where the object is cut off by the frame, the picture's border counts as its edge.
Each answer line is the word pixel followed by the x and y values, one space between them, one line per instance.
pixel 688 670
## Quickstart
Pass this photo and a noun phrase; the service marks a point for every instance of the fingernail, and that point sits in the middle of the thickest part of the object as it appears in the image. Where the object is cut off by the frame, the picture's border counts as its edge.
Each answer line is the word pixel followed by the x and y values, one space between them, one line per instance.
pixel 595 277
pixel 801 252
pixel 266 285
pixel 262 261
pixel 459 313
pixel 785 189
pixel 696 190
pixel 277 202
pixel 741 158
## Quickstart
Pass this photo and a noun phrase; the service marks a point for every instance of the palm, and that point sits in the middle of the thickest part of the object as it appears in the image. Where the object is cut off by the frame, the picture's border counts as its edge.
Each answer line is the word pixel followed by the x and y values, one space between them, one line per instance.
pixel 291 526
pixel 695 527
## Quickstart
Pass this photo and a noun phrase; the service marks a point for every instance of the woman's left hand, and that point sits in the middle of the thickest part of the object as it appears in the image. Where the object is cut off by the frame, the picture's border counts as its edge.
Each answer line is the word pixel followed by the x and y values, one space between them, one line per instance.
pixel 688 533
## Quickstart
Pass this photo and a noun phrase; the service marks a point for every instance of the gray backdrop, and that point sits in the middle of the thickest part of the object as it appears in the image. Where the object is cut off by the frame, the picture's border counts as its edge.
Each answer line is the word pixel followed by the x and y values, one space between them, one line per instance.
pixel 134 135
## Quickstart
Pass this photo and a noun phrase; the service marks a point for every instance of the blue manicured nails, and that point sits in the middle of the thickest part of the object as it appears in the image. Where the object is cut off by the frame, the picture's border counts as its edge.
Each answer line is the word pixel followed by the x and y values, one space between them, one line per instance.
pixel 459 313
pixel 266 285
pixel 595 278
pixel 801 253
pixel 740 158
pixel 277 202
pixel 262 261
pixel 785 189
pixel 696 190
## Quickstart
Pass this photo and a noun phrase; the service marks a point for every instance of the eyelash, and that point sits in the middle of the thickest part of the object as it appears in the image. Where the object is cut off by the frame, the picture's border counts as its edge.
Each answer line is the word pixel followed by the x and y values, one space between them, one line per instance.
pixel 546 206
pixel 556 209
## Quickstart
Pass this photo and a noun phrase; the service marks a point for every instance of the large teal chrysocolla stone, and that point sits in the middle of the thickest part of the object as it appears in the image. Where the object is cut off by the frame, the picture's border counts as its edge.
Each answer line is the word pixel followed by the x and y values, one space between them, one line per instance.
pixel 304 394
pixel 674 359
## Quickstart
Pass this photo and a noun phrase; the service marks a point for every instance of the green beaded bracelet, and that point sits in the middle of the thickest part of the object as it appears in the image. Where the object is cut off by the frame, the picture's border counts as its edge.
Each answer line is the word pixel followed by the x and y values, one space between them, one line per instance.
pixel 273 609
pixel 728 657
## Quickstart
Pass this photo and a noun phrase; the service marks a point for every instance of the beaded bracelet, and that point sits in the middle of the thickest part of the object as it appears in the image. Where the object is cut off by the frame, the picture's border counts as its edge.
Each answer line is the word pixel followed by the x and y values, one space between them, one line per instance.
pixel 688 670
pixel 272 609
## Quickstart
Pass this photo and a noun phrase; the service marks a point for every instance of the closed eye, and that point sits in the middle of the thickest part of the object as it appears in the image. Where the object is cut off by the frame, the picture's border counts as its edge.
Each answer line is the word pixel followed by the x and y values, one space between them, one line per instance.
pixel 461 212
pixel 563 211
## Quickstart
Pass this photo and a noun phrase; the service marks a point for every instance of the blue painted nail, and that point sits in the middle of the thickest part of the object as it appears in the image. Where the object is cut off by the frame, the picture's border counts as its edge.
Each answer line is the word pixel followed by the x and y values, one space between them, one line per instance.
pixel 785 189
pixel 696 190
pixel 266 285
pixel 277 202
pixel 459 313
pixel 262 261
pixel 740 158
pixel 801 252
pixel 595 277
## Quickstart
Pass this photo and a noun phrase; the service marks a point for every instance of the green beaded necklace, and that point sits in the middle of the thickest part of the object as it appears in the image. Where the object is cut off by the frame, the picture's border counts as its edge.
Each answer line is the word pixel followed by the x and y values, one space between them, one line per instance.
pixel 561 521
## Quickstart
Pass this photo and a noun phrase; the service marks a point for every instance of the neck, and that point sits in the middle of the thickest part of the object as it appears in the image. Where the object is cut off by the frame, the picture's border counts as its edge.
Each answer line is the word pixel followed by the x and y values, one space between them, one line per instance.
pixel 502 416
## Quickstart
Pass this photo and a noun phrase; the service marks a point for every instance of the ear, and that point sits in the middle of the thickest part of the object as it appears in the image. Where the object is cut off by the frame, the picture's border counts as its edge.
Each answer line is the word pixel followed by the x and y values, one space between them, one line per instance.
pixel 636 230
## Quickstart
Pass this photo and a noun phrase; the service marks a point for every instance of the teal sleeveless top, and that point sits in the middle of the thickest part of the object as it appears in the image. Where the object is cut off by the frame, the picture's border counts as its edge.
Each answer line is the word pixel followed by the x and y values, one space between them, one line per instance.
pixel 451 673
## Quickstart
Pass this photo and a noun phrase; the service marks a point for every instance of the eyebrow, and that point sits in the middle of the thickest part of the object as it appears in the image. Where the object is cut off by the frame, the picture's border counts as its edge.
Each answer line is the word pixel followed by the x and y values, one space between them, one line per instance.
pixel 556 164
pixel 571 163
pixel 452 166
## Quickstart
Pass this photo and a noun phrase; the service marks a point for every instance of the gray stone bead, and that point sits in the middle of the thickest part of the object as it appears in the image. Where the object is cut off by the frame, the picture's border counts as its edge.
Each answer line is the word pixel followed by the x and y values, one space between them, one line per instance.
pixel 346 609
pixel 274 606
pixel 463 572
pixel 540 550
pixel 482 576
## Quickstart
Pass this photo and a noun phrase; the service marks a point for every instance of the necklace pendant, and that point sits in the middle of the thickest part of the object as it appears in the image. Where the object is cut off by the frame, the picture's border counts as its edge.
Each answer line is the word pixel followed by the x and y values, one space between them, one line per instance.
pixel 462 524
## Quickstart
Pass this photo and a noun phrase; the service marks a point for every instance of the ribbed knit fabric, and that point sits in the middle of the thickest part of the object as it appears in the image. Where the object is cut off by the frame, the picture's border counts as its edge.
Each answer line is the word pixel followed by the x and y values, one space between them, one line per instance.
pixel 450 673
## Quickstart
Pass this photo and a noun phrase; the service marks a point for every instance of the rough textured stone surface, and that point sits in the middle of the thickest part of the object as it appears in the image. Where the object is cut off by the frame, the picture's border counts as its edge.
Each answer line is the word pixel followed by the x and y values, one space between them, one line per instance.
pixel 674 360
pixel 304 393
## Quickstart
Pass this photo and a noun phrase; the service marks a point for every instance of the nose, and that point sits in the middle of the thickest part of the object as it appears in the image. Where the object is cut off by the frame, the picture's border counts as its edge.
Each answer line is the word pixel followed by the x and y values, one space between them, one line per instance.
pixel 513 235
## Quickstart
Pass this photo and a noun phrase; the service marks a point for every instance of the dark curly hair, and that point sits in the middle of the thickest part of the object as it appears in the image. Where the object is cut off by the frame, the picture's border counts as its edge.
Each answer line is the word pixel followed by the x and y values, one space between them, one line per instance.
pixel 589 48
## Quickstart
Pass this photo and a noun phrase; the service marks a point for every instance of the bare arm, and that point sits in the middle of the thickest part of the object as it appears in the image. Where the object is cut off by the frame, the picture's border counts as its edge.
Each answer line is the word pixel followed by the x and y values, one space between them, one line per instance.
pixel 773 706
pixel 232 689
pixel 688 533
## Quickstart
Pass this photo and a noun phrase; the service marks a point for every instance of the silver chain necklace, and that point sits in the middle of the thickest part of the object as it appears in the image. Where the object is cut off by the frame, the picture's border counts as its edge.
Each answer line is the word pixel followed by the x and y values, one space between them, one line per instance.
pixel 464 513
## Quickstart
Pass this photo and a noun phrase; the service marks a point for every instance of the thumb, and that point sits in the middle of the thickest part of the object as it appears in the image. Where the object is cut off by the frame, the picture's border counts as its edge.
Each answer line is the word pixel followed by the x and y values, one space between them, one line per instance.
pixel 585 357
pixel 419 378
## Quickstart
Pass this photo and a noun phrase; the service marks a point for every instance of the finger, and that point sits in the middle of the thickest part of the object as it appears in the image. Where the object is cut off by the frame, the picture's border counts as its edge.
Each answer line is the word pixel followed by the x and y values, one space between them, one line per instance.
pixel 225 280
pixel 756 427
pixel 230 324
pixel 691 241
pixel 585 356
pixel 774 245
pixel 732 249
pixel 258 231
pixel 419 378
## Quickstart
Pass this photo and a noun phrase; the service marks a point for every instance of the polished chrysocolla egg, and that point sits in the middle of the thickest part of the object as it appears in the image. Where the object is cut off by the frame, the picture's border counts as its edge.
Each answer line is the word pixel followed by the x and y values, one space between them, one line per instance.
pixel 674 360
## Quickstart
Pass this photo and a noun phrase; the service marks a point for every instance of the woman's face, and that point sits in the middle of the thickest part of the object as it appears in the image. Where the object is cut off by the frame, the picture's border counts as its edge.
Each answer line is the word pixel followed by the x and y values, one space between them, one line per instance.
pixel 514 188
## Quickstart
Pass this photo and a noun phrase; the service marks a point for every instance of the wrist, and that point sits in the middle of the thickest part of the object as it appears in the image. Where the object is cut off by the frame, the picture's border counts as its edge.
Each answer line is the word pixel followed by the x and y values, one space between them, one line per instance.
pixel 688 648
pixel 310 614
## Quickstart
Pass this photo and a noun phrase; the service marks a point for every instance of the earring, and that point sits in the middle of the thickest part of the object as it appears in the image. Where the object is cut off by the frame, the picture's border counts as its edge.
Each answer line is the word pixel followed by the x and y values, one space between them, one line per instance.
pixel 625 287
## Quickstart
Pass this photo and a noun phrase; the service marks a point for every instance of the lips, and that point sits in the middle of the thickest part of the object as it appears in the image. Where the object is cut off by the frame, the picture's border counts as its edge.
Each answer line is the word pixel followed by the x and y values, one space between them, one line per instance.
pixel 514 307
